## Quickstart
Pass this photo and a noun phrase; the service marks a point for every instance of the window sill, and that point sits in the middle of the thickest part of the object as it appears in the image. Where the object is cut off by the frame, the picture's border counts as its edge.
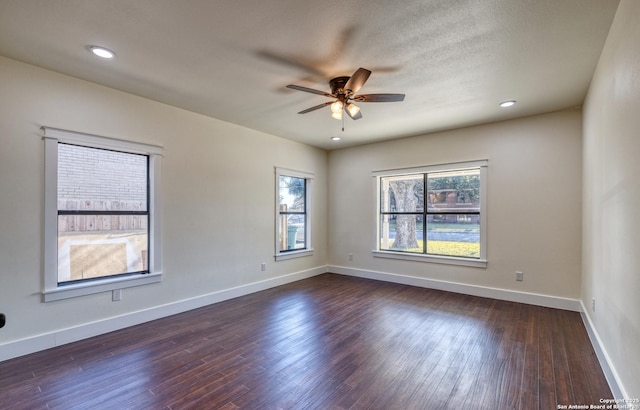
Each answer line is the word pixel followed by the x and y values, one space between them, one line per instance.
pixel 294 254
pixel 99 286
pixel 447 260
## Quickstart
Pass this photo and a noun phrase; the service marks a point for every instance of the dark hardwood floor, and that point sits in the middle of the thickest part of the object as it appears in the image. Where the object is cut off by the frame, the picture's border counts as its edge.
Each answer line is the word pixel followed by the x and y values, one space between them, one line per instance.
pixel 329 342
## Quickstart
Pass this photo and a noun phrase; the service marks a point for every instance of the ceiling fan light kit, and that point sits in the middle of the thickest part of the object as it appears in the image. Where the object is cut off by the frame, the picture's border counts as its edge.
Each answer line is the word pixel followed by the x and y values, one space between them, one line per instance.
pixel 352 109
pixel 343 90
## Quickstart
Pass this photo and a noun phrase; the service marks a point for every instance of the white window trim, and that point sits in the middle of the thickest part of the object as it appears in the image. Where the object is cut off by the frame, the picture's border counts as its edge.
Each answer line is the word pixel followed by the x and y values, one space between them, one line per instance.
pixel 480 262
pixel 51 291
pixel 308 251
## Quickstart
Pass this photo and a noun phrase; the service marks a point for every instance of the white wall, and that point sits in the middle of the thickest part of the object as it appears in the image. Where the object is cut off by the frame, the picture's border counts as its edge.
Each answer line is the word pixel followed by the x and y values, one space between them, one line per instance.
pixel 218 197
pixel 534 211
pixel 611 213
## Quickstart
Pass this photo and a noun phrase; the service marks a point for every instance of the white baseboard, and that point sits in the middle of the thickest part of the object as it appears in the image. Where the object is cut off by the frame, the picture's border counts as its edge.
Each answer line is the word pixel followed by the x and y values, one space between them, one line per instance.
pixel 493 293
pixel 59 337
pixel 603 357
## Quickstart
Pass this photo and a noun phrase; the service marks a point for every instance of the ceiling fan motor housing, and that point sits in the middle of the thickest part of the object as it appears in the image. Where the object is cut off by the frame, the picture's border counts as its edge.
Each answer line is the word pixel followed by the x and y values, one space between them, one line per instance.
pixel 338 83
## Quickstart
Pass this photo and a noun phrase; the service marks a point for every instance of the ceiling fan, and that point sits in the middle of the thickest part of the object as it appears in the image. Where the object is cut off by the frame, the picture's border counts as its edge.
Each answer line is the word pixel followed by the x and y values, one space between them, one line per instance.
pixel 343 90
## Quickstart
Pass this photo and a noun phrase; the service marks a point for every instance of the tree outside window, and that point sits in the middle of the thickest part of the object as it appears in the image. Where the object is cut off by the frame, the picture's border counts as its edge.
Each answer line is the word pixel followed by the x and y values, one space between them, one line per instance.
pixel 292 208
pixel 432 213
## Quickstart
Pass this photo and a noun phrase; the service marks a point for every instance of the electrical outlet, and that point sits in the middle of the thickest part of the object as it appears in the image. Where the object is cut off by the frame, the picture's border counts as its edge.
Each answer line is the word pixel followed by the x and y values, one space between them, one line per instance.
pixel 519 276
pixel 350 256
pixel 116 295
pixel 263 266
pixel 593 304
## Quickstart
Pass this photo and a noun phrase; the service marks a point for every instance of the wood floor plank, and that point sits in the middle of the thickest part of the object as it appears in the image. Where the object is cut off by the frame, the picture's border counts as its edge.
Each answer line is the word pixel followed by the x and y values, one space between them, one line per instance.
pixel 562 375
pixel 529 386
pixel 546 375
pixel 328 342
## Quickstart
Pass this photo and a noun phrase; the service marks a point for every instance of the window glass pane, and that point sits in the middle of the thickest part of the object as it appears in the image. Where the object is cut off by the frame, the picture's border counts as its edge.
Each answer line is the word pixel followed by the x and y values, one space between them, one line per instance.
pixel 293 220
pixel 102 180
pixel 93 246
pixel 403 193
pixel 292 232
pixel 292 194
pixel 453 235
pixel 454 191
pixel 401 233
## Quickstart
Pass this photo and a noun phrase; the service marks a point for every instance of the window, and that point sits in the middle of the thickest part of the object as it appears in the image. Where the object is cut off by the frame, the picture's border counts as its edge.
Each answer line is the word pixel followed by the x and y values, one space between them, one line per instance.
pixel 433 213
pixel 293 217
pixel 102 225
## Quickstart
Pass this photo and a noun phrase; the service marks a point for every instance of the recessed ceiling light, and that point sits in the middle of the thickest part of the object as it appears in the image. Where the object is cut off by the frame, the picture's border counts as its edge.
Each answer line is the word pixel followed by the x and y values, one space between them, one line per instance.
pixel 102 52
pixel 335 138
pixel 508 103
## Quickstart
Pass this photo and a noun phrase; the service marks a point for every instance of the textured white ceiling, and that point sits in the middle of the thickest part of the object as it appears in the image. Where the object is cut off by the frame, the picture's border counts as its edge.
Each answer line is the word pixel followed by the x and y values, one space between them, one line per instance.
pixel 454 59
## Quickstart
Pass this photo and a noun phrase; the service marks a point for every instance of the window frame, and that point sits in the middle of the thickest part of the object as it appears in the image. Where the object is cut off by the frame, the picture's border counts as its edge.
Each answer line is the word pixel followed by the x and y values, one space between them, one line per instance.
pixel 308 250
pixel 481 261
pixel 52 291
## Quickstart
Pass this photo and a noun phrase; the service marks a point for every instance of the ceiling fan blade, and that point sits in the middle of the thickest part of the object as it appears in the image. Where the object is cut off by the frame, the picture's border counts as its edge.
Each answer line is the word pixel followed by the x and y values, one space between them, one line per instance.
pixel 296 62
pixel 357 80
pixel 316 107
pixel 309 90
pixel 379 97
